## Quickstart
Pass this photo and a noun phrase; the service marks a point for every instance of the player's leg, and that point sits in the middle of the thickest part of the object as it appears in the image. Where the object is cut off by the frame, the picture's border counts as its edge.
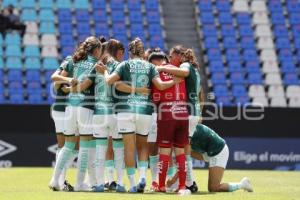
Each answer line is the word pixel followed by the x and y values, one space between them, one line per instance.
pixel 143 125
pixel 126 127
pixel 110 166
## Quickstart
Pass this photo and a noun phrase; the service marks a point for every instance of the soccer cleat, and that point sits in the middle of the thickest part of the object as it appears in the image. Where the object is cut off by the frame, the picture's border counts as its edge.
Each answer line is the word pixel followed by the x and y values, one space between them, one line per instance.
pixel 246 184
pixel 184 192
pixel 132 190
pixel 112 186
pixel 141 186
pixel 193 188
pixel 98 188
pixel 154 186
pixel 120 189
pixel 54 186
pixel 82 188
pixel 106 186
pixel 67 187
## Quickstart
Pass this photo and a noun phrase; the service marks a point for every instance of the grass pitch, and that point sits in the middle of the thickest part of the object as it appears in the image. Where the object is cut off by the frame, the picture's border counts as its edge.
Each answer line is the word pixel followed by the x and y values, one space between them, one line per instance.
pixel 32 184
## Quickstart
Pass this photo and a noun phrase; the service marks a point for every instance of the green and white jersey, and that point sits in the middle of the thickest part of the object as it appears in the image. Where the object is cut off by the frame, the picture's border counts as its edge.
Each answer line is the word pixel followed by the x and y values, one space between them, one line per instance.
pixel 60 98
pixel 81 71
pixel 193 88
pixel 206 140
pixel 137 73
pixel 104 101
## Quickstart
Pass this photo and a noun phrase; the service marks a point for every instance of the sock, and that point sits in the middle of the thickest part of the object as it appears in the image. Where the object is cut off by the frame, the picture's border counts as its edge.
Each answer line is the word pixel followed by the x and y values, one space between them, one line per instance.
pixel 143 166
pixel 101 148
pixel 130 174
pixel 109 167
pixel 57 152
pixel 171 172
pixel 118 147
pixel 189 171
pixel 163 167
pixel 82 162
pixel 62 177
pixel 91 164
pixel 153 167
pixel 62 159
pixel 181 163
pixel 233 187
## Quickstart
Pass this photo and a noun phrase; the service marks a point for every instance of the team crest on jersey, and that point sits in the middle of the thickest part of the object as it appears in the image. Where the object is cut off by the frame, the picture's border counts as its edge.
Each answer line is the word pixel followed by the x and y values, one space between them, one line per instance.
pixel 6 148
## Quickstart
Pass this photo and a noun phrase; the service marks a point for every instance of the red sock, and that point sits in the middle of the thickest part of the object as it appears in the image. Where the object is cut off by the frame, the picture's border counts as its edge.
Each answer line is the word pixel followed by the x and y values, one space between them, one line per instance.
pixel 181 163
pixel 163 167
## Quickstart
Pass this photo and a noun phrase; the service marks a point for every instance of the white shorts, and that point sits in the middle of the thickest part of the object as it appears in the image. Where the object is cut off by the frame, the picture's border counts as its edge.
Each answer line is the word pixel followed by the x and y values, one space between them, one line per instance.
pixel 152 137
pixel 59 120
pixel 193 121
pixel 105 126
pixel 134 123
pixel 219 160
pixel 78 121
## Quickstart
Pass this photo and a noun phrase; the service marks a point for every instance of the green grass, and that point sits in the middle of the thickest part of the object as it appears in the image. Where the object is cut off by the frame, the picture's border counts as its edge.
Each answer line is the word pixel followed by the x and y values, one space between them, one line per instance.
pixel 32 184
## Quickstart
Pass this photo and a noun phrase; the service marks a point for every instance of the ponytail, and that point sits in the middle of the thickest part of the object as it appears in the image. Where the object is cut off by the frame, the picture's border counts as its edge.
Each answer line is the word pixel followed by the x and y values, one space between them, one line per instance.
pixel 189 56
pixel 85 48
pixel 136 48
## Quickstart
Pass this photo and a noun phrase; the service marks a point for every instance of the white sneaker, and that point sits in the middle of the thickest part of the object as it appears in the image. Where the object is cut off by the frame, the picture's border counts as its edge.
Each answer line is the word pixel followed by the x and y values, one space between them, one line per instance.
pixel 82 188
pixel 246 185
pixel 184 192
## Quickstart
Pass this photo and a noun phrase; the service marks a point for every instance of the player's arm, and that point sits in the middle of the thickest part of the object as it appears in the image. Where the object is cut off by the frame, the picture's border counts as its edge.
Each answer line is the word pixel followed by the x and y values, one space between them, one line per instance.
pixel 81 87
pixel 109 78
pixel 63 78
pixel 196 155
pixel 183 71
pixel 123 87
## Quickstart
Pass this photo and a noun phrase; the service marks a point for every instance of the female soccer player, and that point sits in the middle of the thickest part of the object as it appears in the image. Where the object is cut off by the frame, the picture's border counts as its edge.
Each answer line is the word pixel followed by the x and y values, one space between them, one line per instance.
pixel 79 112
pixel 207 145
pixel 188 69
pixel 134 110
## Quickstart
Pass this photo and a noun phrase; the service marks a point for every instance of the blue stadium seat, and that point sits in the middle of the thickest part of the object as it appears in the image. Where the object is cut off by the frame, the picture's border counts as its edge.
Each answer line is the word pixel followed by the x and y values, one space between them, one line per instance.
pixel 32 63
pixel 28 15
pixel 64 15
pixel 10 2
pixel 285 55
pixel 225 18
pixel 67 50
pixel 151 5
pixel 14 75
pixel 283 43
pixel 12 39
pixel 14 63
pixel 207 18
pixel 218 78
pixel 289 67
pixel 99 4
pixel 157 41
pixel 237 78
pixel 100 16
pixel 224 100
pixel 50 63
pixel 135 16
pixel 27 3
pixel 82 16
pixel 228 30
pixel 296 31
pixel 65 28
pixel 154 29
pixel 33 75
pixel 275 6
pixel 67 40
pixel 122 38
pixel 230 42
pixel 277 18
pixel 47 15
pixel 209 30
pixel 35 99
pixel 101 28
pixel 134 4
pixel 297 43
pixel 255 78
pixel 48 75
pixel 81 4
pixel 223 5
pixel 1 51
pixel 117 5
pixel 1 40
pixel 245 30
pixel 153 16
pixel 280 31
pixel 293 6
pixel 1 63
pixel 205 5
pixel 211 42
pixel 34 87
pixel 47 27
pixel 252 66
pixel 1 78
pixel 46 3
pixel 216 66
pixel 239 90
pixel 221 90
pixel 118 16
pixel 119 28
pixel 136 30
pixel 291 79
pixel 235 66
pixel 242 100
pixel 233 55
pixel 32 51
pixel 13 50
pixel 249 55
pixel 243 18
pixel 16 99
pixel 247 43
pixel 64 4
pixel 214 54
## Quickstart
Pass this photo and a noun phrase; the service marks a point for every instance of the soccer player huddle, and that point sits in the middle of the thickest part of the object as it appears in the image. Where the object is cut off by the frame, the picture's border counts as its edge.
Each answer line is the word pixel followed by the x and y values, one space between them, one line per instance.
pixel 120 115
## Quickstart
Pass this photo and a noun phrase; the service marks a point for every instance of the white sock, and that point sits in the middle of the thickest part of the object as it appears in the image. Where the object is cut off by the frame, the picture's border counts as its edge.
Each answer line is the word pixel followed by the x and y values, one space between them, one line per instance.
pixel 101 149
pixel 118 148
pixel 57 152
pixel 91 165
pixel 82 162
pixel 153 167
pixel 189 171
pixel 62 177
pixel 109 167
pixel 143 166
